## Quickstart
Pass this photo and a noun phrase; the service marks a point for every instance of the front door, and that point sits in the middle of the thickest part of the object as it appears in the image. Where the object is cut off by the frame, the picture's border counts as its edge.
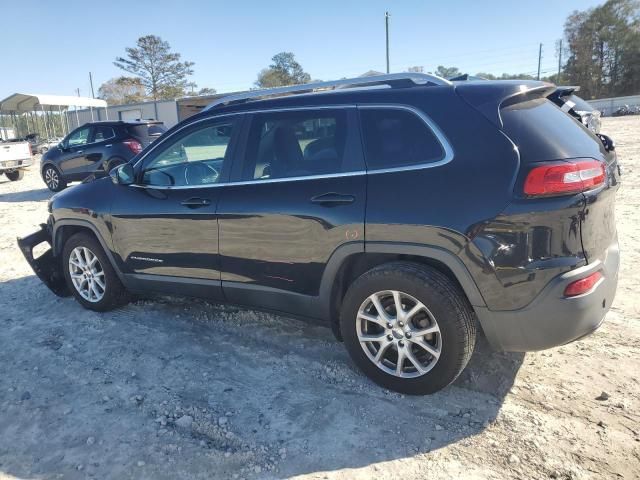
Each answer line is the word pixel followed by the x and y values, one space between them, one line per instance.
pixel 165 227
pixel 299 195
pixel 74 160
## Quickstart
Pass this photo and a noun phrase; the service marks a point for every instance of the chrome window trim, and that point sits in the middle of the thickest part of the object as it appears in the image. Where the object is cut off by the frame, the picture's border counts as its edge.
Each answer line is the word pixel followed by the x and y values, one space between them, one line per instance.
pixel 442 139
pixel 254 182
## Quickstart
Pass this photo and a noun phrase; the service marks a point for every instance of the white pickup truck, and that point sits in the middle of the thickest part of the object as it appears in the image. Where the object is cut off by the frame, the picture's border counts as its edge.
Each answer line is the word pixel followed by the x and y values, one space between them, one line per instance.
pixel 14 158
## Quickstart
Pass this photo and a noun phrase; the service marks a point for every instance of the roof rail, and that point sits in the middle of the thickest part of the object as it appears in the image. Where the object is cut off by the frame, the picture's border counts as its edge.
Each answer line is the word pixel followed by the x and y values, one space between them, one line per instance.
pixel 391 80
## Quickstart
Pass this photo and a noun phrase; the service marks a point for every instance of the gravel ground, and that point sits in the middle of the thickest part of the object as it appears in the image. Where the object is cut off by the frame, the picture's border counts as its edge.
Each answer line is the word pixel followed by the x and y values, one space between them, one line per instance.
pixel 177 388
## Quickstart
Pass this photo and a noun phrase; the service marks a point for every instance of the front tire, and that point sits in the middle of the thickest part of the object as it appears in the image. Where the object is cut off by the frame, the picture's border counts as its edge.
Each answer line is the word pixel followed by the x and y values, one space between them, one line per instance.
pixel 53 179
pixel 408 327
pixel 15 175
pixel 90 276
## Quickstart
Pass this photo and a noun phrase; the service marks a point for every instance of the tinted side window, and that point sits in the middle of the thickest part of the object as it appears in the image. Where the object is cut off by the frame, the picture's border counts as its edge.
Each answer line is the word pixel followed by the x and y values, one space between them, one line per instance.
pixel 147 130
pixel 297 143
pixel 79 137
pixel 101 133
pixel 195 157
pixel 397 138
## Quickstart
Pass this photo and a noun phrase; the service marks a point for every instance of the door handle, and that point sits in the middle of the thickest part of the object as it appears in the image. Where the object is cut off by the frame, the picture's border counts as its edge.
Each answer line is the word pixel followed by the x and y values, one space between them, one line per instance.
pixel 108 146
pixel 79 151
pixel 196 202
pixel 331 199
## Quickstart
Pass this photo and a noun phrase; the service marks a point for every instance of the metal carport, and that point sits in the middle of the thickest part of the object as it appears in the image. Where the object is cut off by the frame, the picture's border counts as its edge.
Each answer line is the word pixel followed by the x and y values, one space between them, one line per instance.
pixel 30 106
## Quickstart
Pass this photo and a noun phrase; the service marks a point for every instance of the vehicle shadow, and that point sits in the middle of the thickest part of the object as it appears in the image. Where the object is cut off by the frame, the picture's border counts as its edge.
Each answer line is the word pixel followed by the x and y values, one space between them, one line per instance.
pixel 36 195
pixel 293 401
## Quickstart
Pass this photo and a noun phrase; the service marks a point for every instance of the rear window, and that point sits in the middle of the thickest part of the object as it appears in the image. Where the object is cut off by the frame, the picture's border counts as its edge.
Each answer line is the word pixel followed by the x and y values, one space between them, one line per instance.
pixel 397 138
pixel 544 132
pixel 147 130
pixel 579 105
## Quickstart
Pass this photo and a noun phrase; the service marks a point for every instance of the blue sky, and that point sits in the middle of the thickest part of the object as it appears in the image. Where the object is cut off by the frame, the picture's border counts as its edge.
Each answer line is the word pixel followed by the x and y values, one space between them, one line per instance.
pixel 50 46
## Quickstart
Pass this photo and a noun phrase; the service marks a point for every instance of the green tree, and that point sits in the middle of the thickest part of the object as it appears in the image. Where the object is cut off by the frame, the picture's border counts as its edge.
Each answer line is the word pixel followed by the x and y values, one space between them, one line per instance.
pixel 122 90
pixel 207 91
pixel 487 76
pixel 603 47
pixel 159 69
pixel 516 76
pixel 447 72
pixel 284 70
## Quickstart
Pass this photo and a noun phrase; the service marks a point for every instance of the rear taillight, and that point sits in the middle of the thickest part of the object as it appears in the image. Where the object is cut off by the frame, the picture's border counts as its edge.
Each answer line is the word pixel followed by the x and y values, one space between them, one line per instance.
pixel 30 151
pixel 134 145
pixel 583 285
pixel 568 177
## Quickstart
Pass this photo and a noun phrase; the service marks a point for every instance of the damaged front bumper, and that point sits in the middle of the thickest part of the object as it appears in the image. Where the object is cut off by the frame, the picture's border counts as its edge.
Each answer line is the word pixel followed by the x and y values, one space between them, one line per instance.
pixel 47 267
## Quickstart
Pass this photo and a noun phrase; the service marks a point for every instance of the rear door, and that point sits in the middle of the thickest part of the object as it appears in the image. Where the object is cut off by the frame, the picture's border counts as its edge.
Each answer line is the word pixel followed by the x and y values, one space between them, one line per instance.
pixel 299 195
pixel 99 148
pixel 74 161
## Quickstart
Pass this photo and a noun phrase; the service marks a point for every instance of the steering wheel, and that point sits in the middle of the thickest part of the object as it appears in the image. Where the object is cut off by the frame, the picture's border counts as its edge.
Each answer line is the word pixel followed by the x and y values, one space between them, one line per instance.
pixel 200 173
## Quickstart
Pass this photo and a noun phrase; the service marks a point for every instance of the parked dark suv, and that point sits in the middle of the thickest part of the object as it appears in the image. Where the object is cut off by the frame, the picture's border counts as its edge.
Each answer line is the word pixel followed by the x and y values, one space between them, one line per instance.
pixel 405 213
pixel 95 148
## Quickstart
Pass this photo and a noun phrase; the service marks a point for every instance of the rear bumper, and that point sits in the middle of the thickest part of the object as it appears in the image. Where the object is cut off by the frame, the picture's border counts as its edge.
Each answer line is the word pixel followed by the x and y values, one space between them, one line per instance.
pixel 14 164
pixel 46 267
pixel 552 319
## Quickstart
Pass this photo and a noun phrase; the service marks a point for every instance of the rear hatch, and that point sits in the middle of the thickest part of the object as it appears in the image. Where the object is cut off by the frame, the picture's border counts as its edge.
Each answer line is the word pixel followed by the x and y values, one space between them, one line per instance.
pixel 544 133
pixel 147 132
pixel 12 152
pixel 546 136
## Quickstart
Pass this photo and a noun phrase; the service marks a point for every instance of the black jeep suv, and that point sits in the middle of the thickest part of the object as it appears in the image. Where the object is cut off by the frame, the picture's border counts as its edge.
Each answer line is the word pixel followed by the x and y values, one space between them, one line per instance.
pixel 94 149
pixel 403 211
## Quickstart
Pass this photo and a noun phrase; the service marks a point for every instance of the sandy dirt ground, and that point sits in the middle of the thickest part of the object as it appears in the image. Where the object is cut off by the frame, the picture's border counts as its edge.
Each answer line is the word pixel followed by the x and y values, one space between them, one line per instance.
pixel 176 388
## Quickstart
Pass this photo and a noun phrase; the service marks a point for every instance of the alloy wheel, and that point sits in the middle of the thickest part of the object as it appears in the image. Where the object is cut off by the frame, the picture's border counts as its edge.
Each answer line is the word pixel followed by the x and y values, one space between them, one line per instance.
pixel 87 274
pixel 398 334
pixel 51 178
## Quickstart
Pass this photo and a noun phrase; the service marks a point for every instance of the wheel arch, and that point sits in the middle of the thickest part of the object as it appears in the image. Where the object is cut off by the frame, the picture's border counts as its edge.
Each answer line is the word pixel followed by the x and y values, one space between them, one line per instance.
pixel 65 229
pixel 48 164
pixel 348 263
pixel 111 160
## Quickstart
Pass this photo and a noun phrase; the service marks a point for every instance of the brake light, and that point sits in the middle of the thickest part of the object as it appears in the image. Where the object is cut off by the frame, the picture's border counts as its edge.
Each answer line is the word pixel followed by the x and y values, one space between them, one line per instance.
pixel 30 151
pixel 564 178
pixel 583 285
pixel 134 145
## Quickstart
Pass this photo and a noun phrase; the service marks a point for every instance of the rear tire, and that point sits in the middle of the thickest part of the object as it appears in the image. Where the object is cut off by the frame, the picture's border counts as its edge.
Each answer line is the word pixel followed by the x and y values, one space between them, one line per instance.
pixel 89 274
pixel 432 345
pixel 53 179
pixel 15 175
pixel 113 163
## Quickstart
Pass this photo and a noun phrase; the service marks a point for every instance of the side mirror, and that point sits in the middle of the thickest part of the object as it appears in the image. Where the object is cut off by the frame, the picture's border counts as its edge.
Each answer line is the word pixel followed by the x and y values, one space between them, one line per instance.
pixel 122 174
pixel 61 146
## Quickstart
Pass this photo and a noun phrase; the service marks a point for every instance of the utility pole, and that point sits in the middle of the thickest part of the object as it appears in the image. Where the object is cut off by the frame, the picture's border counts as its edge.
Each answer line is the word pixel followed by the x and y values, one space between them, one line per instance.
pixel 386 26
pixel 559 62
pixel 93 95
pixel 539 60
pixel 78 91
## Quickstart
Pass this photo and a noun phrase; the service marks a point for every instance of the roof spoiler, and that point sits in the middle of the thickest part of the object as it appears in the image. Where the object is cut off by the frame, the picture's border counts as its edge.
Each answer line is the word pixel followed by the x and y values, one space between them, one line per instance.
pixel 488 97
